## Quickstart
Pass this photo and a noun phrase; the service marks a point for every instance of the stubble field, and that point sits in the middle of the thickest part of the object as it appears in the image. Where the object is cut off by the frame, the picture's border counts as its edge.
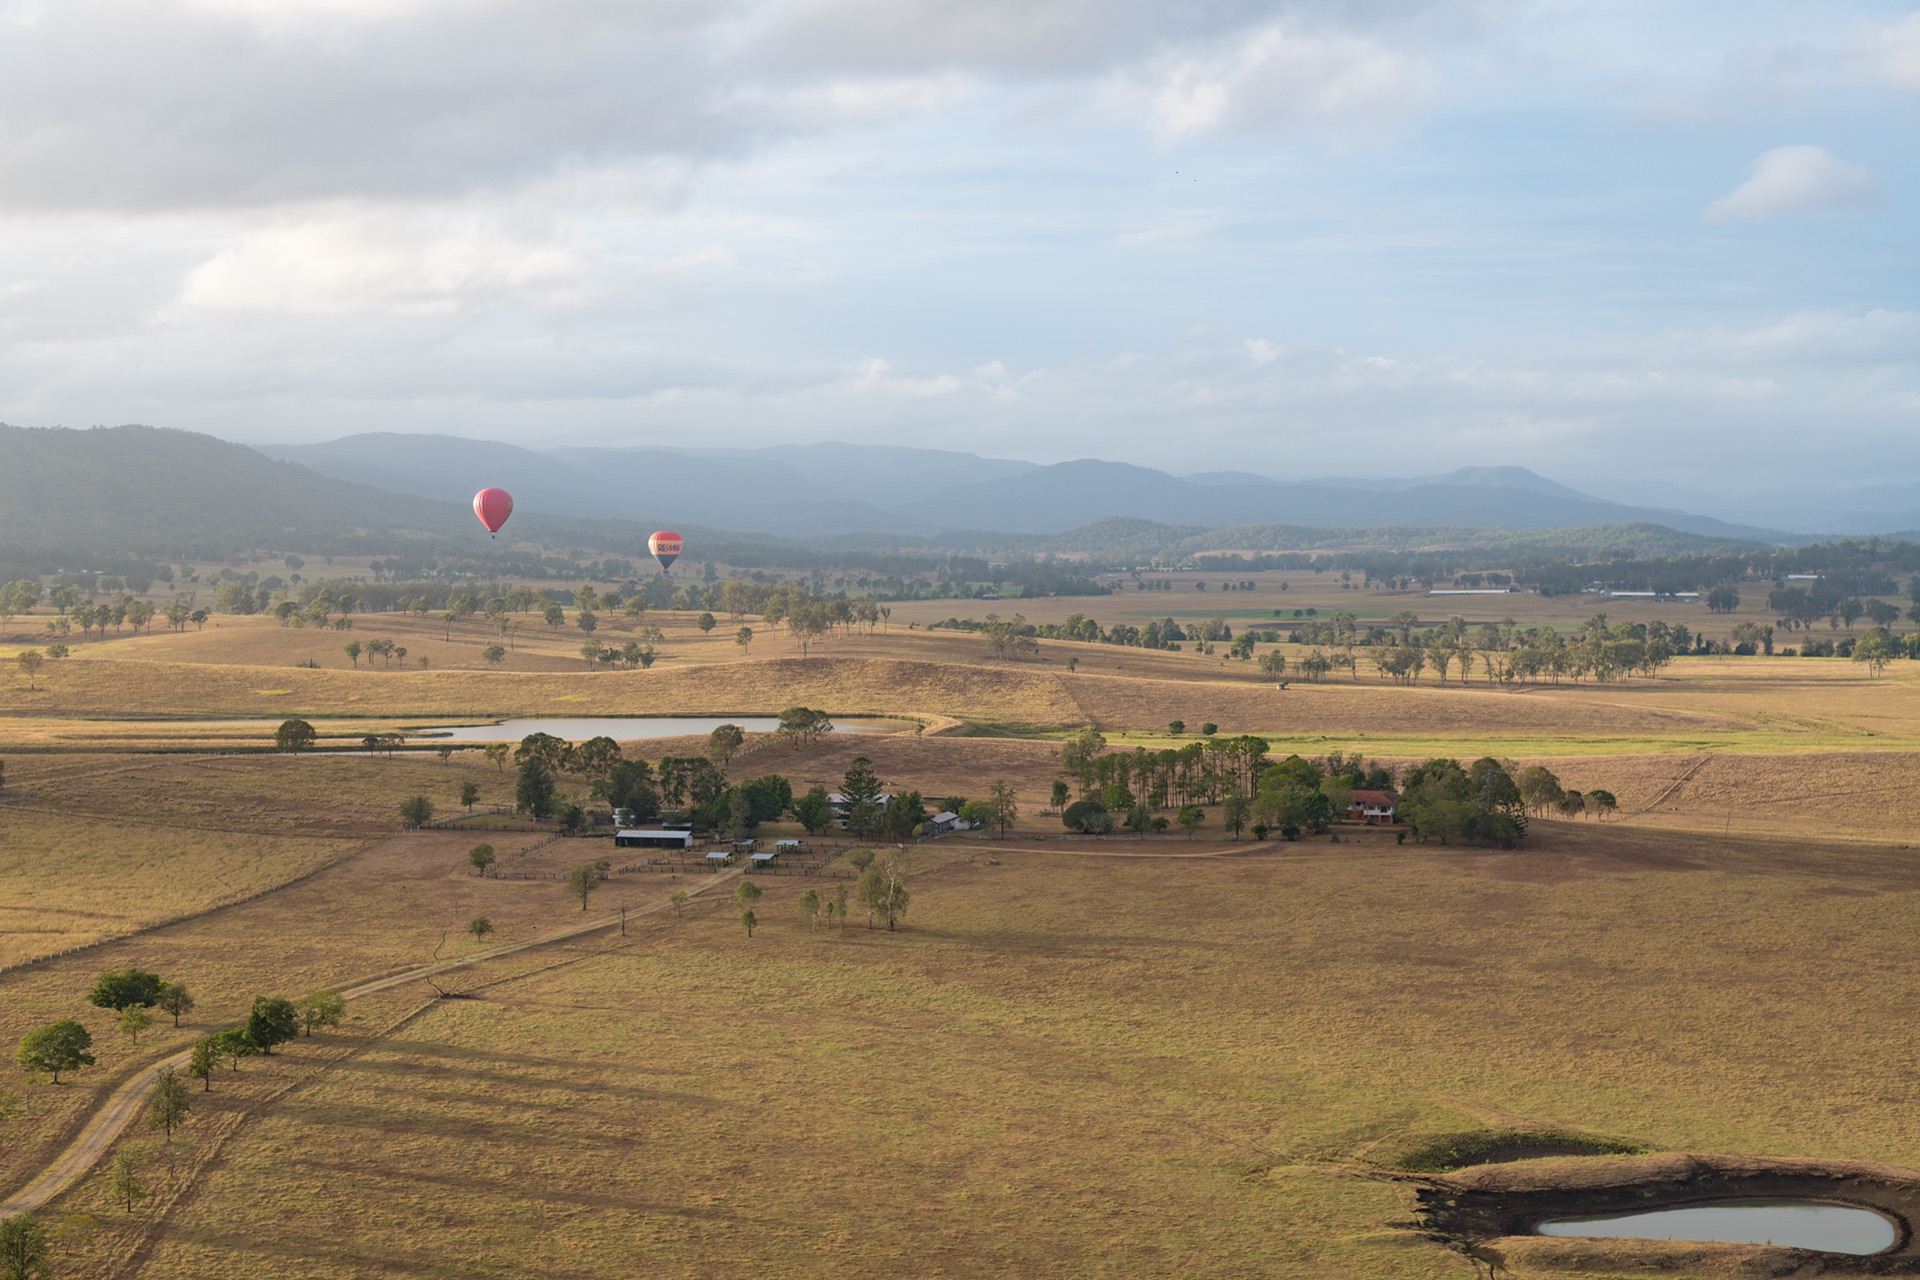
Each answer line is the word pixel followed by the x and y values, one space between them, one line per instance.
pixel 1078 1057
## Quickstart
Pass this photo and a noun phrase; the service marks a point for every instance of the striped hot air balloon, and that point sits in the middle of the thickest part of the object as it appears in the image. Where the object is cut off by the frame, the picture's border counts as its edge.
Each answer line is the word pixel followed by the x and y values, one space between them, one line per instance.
pixel 665 546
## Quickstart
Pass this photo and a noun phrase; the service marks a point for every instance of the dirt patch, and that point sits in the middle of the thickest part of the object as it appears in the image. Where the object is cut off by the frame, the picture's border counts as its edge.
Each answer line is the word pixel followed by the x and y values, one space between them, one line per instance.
pixel 1495 1210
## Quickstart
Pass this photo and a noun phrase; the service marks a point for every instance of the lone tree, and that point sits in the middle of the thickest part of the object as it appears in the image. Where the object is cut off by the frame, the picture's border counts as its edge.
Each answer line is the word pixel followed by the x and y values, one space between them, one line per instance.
pixel 294 735
pixel 481 856
pixel 582 881
pixel 23 1249
pixel 416 811
pixel 469 794
pixel 133 1020
pixel 810 909
pixel 201 1061
pixel 748 919
pixel 882 888
pixel 127 1186
pixel 273 1020
pixel 233 1042
pixel 480 927
pixel 746 893
pixel 1005 809
pixel 124 988
pixel 171 1102
pixel 60 1046
pixel 1191 818
pixel 175 1000
pixel 724 741
pixel 30 661
pixel 320 1007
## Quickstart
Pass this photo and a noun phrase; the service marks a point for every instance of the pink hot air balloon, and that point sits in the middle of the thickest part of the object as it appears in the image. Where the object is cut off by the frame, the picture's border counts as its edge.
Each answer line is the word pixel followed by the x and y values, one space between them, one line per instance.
pixel 493 506
pixel 665 546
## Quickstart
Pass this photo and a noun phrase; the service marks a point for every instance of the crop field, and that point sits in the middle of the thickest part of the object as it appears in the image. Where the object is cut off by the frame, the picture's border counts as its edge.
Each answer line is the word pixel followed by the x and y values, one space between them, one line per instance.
pixel 1077 1056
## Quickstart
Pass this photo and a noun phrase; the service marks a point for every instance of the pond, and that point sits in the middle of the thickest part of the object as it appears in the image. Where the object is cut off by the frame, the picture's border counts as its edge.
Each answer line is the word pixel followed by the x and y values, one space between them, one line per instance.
pixel 629 728
pixel 1799 1224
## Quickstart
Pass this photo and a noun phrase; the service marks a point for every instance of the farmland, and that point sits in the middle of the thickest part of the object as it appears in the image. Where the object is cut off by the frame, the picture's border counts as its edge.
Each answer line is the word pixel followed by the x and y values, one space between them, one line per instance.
pixel 1079 1056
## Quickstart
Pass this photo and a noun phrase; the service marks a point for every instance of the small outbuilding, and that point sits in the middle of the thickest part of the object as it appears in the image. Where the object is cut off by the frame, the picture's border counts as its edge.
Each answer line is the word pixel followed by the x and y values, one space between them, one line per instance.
pixel 1375 808
pixel 652 838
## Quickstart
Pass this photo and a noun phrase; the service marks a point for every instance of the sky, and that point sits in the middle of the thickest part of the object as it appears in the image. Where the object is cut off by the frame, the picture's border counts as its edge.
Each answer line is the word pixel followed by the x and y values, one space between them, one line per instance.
pixel 1659 242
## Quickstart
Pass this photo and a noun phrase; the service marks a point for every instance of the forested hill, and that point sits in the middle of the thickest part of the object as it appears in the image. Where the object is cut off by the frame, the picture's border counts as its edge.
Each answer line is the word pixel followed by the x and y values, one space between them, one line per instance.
pixel 153 492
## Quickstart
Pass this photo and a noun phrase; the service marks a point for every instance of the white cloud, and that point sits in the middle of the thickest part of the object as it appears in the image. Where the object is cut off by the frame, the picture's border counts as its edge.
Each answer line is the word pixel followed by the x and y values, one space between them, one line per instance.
pixel 1275 76
pixel 1796 179
pixel 1895 53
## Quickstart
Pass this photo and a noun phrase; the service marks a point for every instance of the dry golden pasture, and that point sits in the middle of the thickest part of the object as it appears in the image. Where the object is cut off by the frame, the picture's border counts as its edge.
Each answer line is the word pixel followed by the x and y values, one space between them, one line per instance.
pixel 1062 1065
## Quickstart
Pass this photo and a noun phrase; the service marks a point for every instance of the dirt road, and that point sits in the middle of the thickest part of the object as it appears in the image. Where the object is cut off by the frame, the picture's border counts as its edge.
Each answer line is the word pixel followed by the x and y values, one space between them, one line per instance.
pixel 126 1102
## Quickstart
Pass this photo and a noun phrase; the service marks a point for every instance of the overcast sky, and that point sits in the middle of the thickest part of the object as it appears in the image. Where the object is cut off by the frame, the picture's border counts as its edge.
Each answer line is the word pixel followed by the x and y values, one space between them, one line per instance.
pixel 1593 237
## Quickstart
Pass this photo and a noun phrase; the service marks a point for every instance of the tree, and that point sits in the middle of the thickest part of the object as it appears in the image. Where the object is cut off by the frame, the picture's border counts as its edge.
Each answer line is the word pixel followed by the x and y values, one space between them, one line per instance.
pixel 497 752
pixel 1176 727
pixel 724 741
pixel 801 725
pixel 480 927
pixel 416 811
pixel 582 881
pixel 814 811
pixel 1723 598
pixel 352 649
pixel 1058 800
pixel 24 1251
pixel 679 900
pixel 170 1103
pixel 748 919
pixel 494 654
pixel 57 1047
pixel 133 1020
pixel 1602 803
pixel 533 791
pixel 746 893
pixel 706 622
pixel 1001 797
pixel 294 736
pixel 810 909
pixel 125 987
pixel 1540 790
pixel 1234 812
pixel 862 797
pixel 30 661
pixel 126 1186
pixel 482 857
pixel 469 795
pixel 1191 818
pixel 1876 649
pixel 272 1020
pixel 1086 816
pixel 320 1007
pixel 1208 729
pixel 200 1062
pixel 882 888
pixel 233 1042
pixel 744 638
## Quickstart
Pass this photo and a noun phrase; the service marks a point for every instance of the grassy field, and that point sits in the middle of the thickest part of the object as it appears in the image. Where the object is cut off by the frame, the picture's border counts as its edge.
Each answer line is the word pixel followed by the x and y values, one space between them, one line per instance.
pixel 1072 1065
pixel 1090 1058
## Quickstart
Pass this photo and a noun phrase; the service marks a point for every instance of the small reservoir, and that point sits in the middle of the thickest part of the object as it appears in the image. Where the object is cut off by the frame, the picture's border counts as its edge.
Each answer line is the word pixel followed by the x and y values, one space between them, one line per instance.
pixel 1798 1224
pixel 631 728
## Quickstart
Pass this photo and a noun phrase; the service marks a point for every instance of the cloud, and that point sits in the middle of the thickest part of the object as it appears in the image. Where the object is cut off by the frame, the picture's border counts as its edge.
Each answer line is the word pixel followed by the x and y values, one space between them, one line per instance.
pixel 1895 53
pixel 1796 179
pixel 1275 76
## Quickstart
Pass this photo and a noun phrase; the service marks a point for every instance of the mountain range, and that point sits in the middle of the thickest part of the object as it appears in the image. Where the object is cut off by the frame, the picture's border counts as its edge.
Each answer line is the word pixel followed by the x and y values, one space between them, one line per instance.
pixel 171 494
pixel 825 490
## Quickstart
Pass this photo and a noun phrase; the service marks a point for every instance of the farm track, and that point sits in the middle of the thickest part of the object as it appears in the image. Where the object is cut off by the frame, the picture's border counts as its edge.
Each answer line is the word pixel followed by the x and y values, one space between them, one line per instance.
pixel 98 1132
